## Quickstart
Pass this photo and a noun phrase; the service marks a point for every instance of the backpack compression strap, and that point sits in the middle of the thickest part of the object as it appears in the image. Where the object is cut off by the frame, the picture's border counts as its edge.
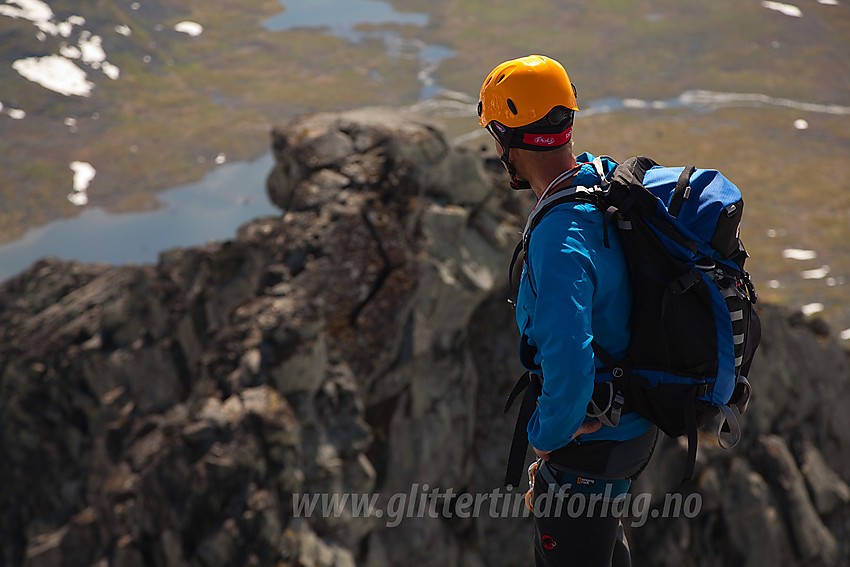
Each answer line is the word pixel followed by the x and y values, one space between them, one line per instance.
pixel 682 192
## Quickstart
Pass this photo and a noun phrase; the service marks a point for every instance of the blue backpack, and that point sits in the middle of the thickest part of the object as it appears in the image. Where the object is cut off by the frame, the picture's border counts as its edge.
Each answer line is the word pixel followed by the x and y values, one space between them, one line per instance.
pixel 694 327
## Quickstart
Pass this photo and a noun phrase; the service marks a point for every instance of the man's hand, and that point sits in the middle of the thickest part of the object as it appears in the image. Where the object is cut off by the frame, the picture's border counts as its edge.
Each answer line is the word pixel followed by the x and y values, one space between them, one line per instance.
pixel 541 454
pixel 586 427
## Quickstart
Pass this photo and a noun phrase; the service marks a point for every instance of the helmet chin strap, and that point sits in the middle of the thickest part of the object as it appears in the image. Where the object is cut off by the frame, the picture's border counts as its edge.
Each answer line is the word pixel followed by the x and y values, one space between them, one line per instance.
pixel 516 184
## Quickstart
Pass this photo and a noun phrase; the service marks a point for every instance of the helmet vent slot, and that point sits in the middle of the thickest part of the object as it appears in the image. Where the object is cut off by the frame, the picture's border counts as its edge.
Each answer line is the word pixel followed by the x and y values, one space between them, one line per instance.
pixel 512 106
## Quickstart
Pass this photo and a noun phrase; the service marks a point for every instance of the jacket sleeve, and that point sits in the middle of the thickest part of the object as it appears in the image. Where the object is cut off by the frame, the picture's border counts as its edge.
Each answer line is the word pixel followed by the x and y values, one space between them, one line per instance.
pixel 563 276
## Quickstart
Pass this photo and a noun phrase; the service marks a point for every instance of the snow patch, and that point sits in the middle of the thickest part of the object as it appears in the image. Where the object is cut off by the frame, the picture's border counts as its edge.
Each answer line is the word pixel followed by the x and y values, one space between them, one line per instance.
pixel 83 174
pixel 56 73
pixel 110 70
pixel 801 124
pixel 816 274
pixel 70 51
pixel 787 9
pixel 80 199
pixel 810 309
pixel 711 98
pixel 91 49
pixel 42 17
pixel 193 29
pixel 32 10
pixel 798 254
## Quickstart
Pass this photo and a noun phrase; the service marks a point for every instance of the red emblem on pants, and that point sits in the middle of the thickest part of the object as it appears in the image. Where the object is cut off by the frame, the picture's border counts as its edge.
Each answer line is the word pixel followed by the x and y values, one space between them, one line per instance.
pixel 548 542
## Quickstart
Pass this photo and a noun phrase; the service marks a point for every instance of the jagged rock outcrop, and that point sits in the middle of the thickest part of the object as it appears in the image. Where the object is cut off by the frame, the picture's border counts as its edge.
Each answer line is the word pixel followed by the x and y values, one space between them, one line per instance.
pixel 358 344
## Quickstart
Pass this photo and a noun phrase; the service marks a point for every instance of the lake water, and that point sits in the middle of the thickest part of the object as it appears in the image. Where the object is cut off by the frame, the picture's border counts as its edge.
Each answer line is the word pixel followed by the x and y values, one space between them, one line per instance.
pixel 191 215
pixel 342 18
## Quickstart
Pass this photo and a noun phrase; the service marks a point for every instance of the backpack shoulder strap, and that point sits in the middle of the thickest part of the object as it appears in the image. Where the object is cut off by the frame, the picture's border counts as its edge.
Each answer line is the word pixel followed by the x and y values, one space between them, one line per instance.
pixel 601 165
pixel 577 193
pixel 593 195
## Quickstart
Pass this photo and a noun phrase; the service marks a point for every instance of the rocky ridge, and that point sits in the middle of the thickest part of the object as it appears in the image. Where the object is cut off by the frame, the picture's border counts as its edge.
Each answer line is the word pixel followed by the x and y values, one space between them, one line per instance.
pixel 359 343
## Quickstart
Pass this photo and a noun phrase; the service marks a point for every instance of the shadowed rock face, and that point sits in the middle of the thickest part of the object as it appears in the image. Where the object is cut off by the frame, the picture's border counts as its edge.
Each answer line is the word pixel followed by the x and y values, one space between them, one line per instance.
pixel 358 343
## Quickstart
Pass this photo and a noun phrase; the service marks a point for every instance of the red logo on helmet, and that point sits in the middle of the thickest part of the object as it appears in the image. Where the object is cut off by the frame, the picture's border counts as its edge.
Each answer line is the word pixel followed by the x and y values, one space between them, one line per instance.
pixel 548 139
pixel 548 542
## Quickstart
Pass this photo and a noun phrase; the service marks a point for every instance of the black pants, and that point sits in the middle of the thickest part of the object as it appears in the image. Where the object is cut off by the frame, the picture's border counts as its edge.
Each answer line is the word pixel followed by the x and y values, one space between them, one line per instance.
pixel 576 528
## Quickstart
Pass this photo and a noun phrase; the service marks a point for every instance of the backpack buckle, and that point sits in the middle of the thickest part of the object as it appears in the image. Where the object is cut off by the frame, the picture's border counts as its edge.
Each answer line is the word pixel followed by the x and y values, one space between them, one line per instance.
pixel 751 288
pixel 610 414
pixel 684 282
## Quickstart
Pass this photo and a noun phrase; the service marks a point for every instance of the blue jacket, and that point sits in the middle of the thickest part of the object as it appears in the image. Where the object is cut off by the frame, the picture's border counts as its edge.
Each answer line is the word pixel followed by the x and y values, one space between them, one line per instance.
pixel 577 290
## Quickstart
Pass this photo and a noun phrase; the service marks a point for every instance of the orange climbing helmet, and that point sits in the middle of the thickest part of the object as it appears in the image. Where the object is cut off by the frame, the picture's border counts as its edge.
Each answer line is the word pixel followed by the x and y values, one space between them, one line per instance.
pixel 522 91
pixel 527 103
